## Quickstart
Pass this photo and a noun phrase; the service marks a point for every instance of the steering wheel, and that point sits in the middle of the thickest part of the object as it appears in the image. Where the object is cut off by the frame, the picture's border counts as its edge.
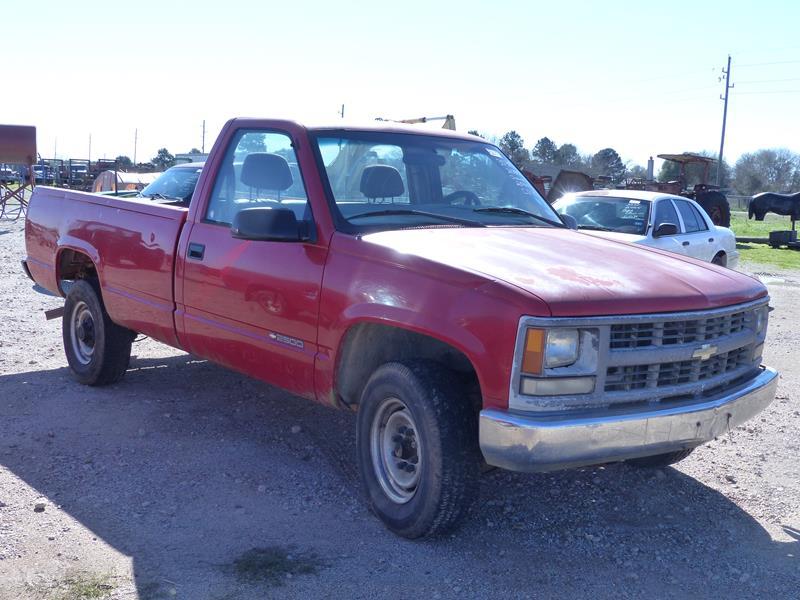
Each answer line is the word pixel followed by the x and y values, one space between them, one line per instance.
pixel 470 198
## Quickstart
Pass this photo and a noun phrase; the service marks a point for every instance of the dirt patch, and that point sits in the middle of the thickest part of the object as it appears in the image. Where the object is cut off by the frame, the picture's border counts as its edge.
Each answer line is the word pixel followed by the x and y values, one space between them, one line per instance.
pixel 184 466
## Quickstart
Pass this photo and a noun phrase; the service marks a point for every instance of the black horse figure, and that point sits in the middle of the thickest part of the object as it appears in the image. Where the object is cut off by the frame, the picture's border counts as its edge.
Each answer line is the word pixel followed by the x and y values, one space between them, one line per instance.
pixel 780 204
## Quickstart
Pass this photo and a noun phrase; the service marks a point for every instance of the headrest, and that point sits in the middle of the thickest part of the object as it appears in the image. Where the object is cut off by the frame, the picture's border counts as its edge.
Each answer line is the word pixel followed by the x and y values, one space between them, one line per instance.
pixel 381 181
pixel 265 171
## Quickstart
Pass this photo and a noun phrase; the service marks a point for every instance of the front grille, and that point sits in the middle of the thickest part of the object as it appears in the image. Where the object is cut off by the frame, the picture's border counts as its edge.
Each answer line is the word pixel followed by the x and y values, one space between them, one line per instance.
pixel 668 333
pixel 666 374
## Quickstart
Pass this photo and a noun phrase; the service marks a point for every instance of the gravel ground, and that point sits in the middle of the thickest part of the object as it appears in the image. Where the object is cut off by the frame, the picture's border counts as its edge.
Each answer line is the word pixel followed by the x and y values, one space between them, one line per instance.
pixel 163 485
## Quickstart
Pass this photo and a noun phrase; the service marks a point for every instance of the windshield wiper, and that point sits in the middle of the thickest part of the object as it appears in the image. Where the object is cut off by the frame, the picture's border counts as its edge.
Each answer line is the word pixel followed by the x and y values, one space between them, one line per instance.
pixel 595 228
pixel 420 213
pixel 512 210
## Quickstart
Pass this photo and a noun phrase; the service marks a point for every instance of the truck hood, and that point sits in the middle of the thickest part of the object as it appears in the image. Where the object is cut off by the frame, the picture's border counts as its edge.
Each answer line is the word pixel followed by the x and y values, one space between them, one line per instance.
pixel 577 274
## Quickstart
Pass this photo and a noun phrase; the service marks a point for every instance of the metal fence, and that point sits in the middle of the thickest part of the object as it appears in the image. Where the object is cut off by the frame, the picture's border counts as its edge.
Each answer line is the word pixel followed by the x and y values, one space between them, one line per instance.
pixel 738 203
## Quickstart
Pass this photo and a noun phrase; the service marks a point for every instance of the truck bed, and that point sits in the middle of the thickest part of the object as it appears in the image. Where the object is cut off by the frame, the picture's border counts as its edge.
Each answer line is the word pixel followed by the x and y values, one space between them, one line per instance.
pixel 131 241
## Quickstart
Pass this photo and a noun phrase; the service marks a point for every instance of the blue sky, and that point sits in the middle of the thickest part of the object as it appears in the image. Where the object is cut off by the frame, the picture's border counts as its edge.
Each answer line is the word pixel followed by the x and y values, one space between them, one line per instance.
pixel 641 77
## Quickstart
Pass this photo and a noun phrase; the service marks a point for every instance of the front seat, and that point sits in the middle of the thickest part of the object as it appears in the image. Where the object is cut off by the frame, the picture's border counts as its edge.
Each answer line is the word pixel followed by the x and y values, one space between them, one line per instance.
pixel 265 171
pixel 381 181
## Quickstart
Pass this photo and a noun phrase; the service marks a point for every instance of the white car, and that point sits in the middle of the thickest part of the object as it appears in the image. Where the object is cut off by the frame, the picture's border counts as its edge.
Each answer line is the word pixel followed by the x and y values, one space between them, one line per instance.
pixel 652 219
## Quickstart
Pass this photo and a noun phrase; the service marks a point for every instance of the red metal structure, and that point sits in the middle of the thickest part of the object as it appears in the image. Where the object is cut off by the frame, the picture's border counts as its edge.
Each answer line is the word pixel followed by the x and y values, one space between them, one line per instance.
pixel 17 147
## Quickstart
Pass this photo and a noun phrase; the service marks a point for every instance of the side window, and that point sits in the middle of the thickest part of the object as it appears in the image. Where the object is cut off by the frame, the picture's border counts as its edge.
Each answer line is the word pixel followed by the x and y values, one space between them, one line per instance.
pixel 690 217
pixel 700 220
pixel 259 169
pixel 665 213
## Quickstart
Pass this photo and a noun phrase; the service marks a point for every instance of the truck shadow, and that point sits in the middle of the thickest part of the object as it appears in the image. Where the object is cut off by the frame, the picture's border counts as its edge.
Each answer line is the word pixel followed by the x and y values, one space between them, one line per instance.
pixel 183 466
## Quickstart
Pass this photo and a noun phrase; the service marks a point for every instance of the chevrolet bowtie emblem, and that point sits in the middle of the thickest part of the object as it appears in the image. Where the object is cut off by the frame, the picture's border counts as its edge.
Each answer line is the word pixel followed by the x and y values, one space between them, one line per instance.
pixel 704 352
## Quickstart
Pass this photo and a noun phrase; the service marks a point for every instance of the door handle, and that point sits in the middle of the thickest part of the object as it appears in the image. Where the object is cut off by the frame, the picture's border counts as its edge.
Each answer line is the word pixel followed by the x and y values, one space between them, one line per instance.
pixel 685 243
pixel 710 240
pixel 197 251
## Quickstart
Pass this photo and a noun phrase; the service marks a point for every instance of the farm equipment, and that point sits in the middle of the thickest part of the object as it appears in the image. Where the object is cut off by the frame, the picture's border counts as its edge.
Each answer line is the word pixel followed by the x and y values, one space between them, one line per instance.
pixel 17 147
pixel 705 194
pixel 449 121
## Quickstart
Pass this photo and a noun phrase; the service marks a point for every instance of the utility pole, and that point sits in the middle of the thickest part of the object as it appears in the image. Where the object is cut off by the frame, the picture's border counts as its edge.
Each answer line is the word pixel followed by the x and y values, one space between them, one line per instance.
pixel 726 77
pixel 342 111
pixel 90 147
pixel 203 145
pixel 135 142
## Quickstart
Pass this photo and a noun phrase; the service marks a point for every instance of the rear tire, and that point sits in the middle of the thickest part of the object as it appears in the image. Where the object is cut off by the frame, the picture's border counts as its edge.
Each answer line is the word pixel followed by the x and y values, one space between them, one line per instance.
pixel 717 207
pixel 417 445
pixel 98 350
pixel 660 460
pixel 720 259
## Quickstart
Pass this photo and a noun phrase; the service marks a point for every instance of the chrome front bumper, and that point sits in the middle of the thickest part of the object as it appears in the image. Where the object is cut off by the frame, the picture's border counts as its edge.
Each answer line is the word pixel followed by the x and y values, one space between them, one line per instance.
pixel 548 443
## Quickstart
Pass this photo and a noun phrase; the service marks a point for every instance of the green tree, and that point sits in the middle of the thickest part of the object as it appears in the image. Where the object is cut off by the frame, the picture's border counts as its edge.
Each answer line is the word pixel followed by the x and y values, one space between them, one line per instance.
pixel 567 156
pixel 636 172
pixel 513 146
pixel 163 159
pixel 768 170
pixel 475 132
pixel 124 162
pixel 195 151
pixel 545 151
pixel 252 143
pixel 607 162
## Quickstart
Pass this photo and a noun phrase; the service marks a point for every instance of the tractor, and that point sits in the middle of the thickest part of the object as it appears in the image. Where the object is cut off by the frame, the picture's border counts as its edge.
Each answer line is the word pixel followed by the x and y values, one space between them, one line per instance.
pixel 706 195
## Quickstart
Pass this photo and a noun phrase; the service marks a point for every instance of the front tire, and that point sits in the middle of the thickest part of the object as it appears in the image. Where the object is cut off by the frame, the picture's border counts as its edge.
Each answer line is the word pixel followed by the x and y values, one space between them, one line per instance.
pixel 98 350
pixel 417 448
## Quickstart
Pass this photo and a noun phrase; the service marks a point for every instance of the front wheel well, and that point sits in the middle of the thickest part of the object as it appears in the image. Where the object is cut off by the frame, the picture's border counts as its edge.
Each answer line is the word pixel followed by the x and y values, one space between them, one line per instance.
pixel 367 346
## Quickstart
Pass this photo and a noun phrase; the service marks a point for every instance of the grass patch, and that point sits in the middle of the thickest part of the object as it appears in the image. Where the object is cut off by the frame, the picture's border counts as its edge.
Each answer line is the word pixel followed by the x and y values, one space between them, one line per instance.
pixel 274 564
pixel 76 586
pixel 761 254
pixel 744 227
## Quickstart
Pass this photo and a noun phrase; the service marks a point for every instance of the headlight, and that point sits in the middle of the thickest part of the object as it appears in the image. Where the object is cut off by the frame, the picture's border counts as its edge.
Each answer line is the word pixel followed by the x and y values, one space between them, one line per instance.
pixel 549 349
pixel 761 314
pixel 561 349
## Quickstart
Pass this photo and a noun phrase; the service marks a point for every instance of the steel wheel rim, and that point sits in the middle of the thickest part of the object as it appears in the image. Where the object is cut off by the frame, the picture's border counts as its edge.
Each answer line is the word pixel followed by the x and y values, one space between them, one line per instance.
pixel 82 333
pixel 396 450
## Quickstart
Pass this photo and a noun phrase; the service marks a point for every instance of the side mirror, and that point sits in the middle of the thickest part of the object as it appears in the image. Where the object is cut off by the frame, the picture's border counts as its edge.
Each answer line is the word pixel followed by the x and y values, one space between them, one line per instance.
pixel 267 224
pixel 569 220
pixel 665 229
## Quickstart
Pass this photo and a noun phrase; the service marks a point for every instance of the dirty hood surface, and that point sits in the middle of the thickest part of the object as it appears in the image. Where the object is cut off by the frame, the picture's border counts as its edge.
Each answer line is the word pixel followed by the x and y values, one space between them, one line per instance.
pixel 578 274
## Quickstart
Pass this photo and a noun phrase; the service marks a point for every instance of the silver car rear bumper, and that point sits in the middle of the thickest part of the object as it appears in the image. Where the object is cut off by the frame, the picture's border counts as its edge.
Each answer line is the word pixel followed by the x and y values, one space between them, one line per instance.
pixel 547 443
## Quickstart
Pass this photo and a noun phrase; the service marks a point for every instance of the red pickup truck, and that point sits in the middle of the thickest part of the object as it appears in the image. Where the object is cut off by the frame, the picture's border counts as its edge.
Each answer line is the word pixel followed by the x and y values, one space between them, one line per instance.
pixel 419 278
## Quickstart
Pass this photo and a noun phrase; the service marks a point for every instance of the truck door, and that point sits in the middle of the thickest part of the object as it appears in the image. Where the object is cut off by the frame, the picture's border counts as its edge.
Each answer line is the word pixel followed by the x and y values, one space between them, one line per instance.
pixel 253 305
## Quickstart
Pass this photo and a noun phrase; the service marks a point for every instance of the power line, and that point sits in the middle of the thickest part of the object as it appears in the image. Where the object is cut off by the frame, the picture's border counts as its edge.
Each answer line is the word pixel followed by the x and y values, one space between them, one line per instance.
pixel 770 92
pixel 766 64
pixel 769 80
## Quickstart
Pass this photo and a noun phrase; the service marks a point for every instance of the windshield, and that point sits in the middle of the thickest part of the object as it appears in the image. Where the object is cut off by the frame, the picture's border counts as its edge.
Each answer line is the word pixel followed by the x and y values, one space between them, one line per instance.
pixel 606 213
pixel 177 182
pixel 394 180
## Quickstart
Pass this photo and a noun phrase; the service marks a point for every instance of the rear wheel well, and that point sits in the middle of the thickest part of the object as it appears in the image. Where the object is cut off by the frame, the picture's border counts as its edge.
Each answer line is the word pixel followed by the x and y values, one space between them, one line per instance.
pixel 73 264
pixel 720 258
pixel 369 345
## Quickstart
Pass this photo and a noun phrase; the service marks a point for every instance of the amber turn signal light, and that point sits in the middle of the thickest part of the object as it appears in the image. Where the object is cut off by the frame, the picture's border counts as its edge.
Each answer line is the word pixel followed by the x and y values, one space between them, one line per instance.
pixel 533 355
